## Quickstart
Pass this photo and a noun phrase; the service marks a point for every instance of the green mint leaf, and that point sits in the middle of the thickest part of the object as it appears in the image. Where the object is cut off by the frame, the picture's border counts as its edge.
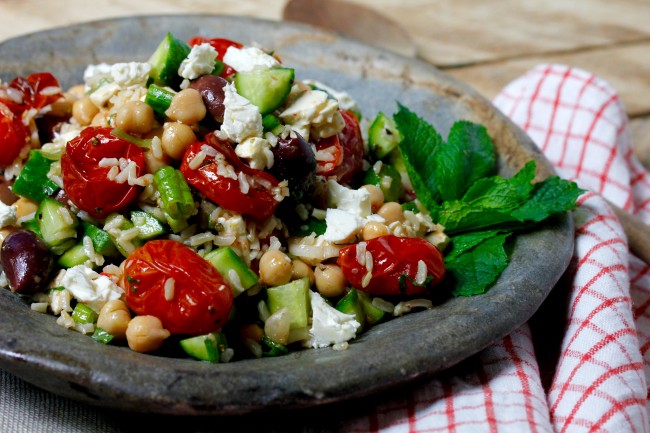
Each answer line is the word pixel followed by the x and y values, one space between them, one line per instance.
pixel 420 142
pixel 467 156
pixel 460 244
pixel 476 270
pixel 550 197
pixel 488 202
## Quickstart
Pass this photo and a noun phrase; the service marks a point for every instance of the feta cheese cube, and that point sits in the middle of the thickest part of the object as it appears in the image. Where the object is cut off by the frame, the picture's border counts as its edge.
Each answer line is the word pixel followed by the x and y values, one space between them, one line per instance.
pixel 344 99
pixel 89 287
pixel 342 226
pixel 200 61
pixel 241 118
pixel 329 326
pixel 248 59
pixel 257 151
pixel 130 74
pixel 354 201
pixel 312 113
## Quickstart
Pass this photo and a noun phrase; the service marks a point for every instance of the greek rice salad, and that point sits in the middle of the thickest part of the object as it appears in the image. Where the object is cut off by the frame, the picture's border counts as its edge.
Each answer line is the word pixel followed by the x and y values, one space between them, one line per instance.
pixel 209 203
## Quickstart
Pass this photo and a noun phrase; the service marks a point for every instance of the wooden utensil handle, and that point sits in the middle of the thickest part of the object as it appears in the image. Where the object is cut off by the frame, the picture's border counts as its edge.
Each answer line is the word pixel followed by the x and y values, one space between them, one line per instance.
pixel 637 232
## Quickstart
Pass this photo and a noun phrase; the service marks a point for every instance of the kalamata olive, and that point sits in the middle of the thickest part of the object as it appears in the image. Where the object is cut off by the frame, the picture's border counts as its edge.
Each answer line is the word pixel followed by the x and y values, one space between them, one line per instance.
pixel 295 162
pixel 211 89
pixel 6 196
pixel 26 261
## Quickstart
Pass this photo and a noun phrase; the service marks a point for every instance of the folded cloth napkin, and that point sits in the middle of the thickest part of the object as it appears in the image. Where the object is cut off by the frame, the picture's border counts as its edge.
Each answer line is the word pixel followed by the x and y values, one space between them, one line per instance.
pixel 580 365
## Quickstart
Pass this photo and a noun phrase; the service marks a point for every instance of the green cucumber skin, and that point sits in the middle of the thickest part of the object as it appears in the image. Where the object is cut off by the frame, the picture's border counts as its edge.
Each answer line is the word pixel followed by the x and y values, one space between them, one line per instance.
pixel 383 136
pixel 294 296
pixel 58 234
pixel 224 259
pixel 159 99
pixel 151 226
pixel 33 182
pixel 268 89
pixel 204 347
pixel 166 59
pixel 76 255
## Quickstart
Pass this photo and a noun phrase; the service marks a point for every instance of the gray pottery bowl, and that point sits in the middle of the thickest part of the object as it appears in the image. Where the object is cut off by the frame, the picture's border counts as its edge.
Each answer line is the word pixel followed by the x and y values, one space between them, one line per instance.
pixel 395 353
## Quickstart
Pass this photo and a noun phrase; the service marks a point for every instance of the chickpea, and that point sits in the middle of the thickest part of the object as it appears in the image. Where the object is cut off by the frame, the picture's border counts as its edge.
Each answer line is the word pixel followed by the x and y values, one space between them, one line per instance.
pixel 300 269
pixel 24 207
pixel 275 268
pixel 376 197
pixel 145 334
pixel 330 280
pixel 187 107
pixel 374 230
pixel 391 212
pixel 135 116
pixel 84 111
pixel 100 119
pixel 152 163
pixel 176 138
pixel 114 318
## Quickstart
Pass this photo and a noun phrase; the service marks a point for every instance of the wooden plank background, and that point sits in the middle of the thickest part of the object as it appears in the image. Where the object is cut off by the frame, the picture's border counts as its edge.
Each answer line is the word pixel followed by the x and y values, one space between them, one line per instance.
pixel 485 44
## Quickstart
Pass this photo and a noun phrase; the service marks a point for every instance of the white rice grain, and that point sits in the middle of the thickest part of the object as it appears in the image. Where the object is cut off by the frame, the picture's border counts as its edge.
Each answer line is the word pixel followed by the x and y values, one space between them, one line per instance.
pixel 170 288
pixel 421 275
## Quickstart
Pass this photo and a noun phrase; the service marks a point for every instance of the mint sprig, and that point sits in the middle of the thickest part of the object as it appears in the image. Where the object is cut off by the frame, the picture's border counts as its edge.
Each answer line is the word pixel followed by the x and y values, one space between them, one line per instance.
pixel 455 182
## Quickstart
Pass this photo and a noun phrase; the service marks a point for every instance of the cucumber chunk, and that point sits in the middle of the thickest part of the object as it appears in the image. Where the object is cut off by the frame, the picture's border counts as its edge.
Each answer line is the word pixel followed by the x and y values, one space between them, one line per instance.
pixel 150 226
pixel 268 88
pixel 387 178
pixel 166 59
pixel 294 296
pixel 115 225
pixel 74 256
pixel 233 269
pixel 57 225
pixel 383 136
pixel 101 240
pixel 33 182
pixel 351 304
pixel 159 99
pixel 208 347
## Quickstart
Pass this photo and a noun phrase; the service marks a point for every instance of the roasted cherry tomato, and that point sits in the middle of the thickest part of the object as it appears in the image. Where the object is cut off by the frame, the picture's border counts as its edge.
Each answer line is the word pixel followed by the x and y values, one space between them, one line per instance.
pixel 13 135
pixel 87 183
pixel 166 279
pixel 34 91
pixel 221 45
pixel 346 149
pixel 395 262
pixel 219 179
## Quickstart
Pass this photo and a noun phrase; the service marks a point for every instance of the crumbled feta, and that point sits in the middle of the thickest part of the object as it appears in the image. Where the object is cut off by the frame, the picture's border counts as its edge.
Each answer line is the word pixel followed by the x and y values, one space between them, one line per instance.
pixel 105 92
pixel 199 61
pixel 313 114
pixel 93 74
pixel 344 99
pixel 329 326
pixel 342 226
pixel 130 74
pixel 241 118
pixel 353 201
pixel 89 287
pixel 257 151
pixel 248 59
pixel 7 215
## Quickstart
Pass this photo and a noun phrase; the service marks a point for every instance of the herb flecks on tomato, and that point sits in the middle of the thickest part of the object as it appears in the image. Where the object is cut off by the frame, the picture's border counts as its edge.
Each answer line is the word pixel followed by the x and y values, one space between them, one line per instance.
pixel 213 168
pixel 87 182
pixel 166 279
pixel 395 268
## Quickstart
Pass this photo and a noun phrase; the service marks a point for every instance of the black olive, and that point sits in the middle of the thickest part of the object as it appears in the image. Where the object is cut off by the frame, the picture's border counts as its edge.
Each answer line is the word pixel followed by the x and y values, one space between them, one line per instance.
pixel 294 161
pixel 26 261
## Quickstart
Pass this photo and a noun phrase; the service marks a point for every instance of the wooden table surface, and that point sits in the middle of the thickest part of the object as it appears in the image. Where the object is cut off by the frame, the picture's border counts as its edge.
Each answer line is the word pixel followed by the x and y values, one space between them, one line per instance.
pixel 485 44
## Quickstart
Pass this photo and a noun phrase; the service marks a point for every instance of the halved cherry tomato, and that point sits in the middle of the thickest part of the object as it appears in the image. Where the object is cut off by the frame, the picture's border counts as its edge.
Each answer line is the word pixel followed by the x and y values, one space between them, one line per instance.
pixel 87 184
pixel 211 179
pixel 346 148
pixel 166 279
pixel 38 90
pixel 221 45
pixel 34 91
pixel 13 135
pixel 394 265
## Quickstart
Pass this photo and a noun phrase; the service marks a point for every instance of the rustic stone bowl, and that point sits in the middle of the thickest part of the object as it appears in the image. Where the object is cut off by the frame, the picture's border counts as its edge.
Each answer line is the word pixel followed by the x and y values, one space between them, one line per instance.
pixel 395 353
